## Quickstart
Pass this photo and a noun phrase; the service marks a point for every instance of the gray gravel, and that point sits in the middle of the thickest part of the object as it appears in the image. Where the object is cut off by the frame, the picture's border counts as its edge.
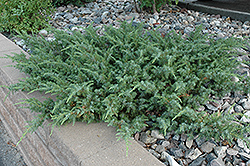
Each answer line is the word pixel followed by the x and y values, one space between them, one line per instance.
pixel 9 154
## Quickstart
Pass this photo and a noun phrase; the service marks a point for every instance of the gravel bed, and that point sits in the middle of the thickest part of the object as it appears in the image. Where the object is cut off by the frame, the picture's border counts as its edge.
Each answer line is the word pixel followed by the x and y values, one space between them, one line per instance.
pixel 172 149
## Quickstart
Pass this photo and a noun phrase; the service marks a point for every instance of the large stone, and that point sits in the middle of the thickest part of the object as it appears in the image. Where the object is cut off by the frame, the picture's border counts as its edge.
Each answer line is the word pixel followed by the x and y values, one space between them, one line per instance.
pixel 207 147
pixel 190 18
pixel 157 134
pixel 68 16
pixel 248 163
pixel 104 15
pixel 154 146
pixel 152 21
pixel 198 161
pixel 238 109
pixel 166 157
pixel 74 20
pixel 246 118
pixel 165 143
pixel 182 146
pixel 157 155
pixel 43 32
pixel 200 140
pixel 189 143
pixel 232 152
pixel 211 107
pixel 217 162
pixel 183 137
pixel 193 153
pixel 246 104
pixel 220 151
pixel 145 138
pixel 241 101
pixel 210 157
pixel 160 148
pixel 134 15
pixel 176 137
pixel 58 18
pixel 176 152
pixel 243 145
pixel 85 11
pixel 225 105
pixel 244 156
pixel 188 30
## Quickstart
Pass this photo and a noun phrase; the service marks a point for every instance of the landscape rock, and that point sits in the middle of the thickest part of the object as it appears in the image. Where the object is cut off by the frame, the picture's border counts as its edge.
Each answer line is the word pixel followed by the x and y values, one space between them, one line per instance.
pixel 190 18
pixel 238 109
pixel 160 148
pixel 220 151
pixel 210 157
pixel 211 107
pixel 182 146
pixel 225 105
pixel 246 118
pixel 199 141
pixel 244 156
pixel 188 30
pixel 248 163
pixel 183 137
pixel 243 145
pixel 241 101
pixel 154 146
pixel 165 143
pixel 157 155
pixel 246 105
pixel 176 137
pixel 198 161
pixel 189 143
pixel 217 162
pixel 157 134
pixel 207 147
pixel 176 152
pixel 232 152
pixel 68 16
pixel 193 153
pixel 145 138
pixel 43 32
pixel 166 157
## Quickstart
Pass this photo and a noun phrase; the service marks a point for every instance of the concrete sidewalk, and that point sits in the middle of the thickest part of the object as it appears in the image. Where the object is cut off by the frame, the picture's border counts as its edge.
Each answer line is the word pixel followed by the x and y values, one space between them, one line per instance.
pixel 91 145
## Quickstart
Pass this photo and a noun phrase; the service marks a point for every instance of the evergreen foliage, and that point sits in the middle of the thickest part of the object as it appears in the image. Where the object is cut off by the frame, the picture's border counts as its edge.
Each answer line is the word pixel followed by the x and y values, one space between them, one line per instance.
pixel 58 3
pixel 129 76
pixel 154 5
pixel 30 16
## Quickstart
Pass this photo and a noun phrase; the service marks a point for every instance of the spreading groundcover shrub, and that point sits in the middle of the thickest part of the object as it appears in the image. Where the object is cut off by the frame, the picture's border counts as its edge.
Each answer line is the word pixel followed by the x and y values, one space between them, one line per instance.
pixel 27 15
pixel 129 76
pixel 58 3
pixel 154 5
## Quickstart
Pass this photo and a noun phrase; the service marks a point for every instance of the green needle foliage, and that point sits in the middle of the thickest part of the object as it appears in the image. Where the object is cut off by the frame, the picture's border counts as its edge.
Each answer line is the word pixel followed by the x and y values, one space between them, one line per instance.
pixel 58 3
pixel 154 5
pixel 30 16
pixel 129 76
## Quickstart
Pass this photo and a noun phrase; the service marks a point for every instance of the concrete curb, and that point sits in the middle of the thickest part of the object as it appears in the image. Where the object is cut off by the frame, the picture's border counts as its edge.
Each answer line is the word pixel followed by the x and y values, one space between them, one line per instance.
pixel 78 145
pixel 237 15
